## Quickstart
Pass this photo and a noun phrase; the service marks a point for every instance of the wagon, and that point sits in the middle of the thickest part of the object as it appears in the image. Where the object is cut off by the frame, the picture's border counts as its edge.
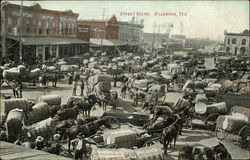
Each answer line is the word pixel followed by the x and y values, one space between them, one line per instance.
pixel 131 118
pixel 236 123
pixel 208 112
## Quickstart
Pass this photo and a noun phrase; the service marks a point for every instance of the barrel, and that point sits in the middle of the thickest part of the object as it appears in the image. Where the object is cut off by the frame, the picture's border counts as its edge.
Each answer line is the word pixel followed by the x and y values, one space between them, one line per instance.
pixel 14 124
pixel 9 104
pixel 51 99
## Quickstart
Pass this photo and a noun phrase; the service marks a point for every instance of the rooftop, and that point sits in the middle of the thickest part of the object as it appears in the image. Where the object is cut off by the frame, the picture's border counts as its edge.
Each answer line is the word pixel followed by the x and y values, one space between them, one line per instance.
pixel 244 33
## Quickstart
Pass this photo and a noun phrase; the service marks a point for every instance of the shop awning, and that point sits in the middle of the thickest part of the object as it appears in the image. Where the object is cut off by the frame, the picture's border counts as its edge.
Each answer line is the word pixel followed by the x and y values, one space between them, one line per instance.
pixel 48 40
pixel 107 42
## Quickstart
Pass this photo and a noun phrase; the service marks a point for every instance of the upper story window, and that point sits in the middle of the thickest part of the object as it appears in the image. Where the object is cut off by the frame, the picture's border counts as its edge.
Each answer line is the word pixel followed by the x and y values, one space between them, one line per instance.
pixel 27 26
pixel 40 27
pixel 234 41
pixel 47 27
pixel 60 29
pixel 73 29
pixel 228 41
pixel 54 27
pixel 10 24
pixel 243 42
pixel 97 32
pixel 69 31
pixel 65 28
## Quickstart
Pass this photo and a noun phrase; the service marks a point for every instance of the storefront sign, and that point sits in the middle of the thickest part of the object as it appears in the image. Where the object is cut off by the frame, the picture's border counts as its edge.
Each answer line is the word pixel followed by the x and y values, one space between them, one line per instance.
pixel 67 19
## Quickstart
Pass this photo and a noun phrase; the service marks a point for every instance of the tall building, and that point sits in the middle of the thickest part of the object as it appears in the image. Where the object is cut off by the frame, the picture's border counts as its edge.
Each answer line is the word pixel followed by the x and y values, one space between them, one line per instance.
pixel 45 33
pixel 237 43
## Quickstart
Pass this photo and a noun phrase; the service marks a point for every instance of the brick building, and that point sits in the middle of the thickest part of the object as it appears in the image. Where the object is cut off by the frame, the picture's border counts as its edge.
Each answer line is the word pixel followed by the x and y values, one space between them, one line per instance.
pixel 237 43
pixel 45 33
pixel 101 29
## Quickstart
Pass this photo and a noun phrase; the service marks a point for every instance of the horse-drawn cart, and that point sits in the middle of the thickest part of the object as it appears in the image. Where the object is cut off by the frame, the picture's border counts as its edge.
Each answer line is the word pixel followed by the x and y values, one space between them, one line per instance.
pixel 237 123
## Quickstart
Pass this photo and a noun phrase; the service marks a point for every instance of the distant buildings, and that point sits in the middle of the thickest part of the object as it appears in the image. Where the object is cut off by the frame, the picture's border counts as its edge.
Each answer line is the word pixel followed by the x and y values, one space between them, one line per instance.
pixel 237 43
pixel 155 40
pixel 45 33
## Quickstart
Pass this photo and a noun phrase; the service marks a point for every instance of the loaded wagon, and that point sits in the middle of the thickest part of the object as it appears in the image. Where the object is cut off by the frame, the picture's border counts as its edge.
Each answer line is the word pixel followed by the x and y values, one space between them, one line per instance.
pixel 208 112
pixel 131 118
pixel 236 123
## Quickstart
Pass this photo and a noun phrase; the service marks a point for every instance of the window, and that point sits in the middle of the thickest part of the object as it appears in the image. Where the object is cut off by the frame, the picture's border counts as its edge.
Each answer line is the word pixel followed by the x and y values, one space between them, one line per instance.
pixel 70 30
pixel 73 29
pixel 243 42
pixel 27 26
pixel 34 27
pixel 40 27
pixel 97 32
pixel 61 29
pixel 54 27
pixel 66 29
pixel 53 51
pixel 234 41
pixel 10 24
pixel 47 27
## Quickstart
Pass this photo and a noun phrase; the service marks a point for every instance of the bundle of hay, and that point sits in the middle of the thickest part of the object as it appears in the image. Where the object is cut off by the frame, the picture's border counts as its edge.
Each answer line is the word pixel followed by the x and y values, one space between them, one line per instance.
pixel 125 138
pixel 34 74
pixel 9 104
pixel 11 74
pixel 14 124
pixel 51 99
pixel 40 112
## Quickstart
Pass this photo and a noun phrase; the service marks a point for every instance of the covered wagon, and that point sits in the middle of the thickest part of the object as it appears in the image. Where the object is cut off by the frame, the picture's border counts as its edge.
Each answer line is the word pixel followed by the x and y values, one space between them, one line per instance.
pixel 237 123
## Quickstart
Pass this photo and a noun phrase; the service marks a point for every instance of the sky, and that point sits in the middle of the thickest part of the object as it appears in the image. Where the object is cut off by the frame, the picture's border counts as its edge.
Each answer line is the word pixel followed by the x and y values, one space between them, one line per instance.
pixel 200 19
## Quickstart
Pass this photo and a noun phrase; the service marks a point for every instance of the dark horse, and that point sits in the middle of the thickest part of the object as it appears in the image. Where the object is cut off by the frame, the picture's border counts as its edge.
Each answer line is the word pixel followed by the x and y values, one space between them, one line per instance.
pixel 86 104
pixel 88 129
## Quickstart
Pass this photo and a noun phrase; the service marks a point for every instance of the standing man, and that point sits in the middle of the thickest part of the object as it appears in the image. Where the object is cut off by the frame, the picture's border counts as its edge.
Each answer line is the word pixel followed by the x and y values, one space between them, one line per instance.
pixel 123 91
pixel 70 76
pixel 136 99
pixel 74 88
pixel 55 146
pixel 80 147
pixel 20 88
pixel 15 89
pixel 82 87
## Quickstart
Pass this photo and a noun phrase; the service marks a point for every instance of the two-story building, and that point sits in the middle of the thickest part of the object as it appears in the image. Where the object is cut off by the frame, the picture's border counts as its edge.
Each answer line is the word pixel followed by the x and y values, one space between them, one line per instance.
pixel 237 43
pixel 45 33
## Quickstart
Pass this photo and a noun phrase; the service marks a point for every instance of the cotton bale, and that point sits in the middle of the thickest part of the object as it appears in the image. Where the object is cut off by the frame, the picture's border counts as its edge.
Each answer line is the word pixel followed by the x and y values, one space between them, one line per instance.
pixel 14 124
pixel 51 99
pixel 11 74
pixel 35 73
pixel 9 104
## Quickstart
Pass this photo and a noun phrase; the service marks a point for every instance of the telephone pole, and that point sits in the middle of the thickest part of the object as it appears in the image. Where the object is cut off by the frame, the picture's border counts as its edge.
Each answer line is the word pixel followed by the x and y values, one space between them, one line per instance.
pixel 20 32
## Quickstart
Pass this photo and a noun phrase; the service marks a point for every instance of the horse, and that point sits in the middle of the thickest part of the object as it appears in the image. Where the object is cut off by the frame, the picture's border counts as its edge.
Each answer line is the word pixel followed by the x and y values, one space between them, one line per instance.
pixel 103 100
pixel 170 133
pixel 87 129
pixel 68 113
pixel 62 126
pixel 86 104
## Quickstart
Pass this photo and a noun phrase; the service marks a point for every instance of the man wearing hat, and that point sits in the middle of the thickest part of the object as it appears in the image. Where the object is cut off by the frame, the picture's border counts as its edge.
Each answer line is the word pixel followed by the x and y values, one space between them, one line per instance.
pixel 55 146
pixel 80 146
pixel 39 143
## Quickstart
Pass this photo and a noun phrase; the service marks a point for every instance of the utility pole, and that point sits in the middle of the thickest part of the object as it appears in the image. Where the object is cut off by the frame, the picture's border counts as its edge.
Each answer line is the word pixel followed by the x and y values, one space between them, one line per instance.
pixel 153 42
pixel 20 32
pixel 103 16
pixel 3 30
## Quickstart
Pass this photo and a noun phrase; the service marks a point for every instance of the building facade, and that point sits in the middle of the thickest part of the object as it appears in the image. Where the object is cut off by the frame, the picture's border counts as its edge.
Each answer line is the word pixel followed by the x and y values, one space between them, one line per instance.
pixel 131 31
pixel 101 29
pixel 237 43
pixel 45 33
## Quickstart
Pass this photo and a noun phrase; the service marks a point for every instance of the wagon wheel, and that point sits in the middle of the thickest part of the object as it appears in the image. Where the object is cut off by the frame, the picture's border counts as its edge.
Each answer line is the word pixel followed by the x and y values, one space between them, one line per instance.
pixel 210 120
pixel 114 122
pixel 220 133
pixel 244 137
pixel 148 143
pixel 112 146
